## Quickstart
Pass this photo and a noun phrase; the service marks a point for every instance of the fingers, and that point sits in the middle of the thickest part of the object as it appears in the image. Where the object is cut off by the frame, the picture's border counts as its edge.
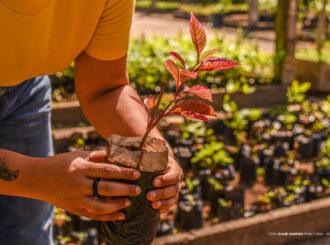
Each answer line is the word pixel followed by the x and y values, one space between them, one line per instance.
pixel 109 171
pixel 109 188
pixel 170 178
pixel 97 156
pixel 98 206
pixel 164 193
pixel 164 205
pixel 102 217
pixel 164 198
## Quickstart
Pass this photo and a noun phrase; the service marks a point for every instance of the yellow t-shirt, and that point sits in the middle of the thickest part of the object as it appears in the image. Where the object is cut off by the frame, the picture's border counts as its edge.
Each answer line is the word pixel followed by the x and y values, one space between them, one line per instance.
pixel 39 37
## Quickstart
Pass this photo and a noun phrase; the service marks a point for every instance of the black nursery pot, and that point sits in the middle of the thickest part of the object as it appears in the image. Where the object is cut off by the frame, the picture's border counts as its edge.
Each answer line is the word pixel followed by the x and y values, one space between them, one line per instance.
pixel 224 213
pixel 316 139
pixel 306 148
pixel 140 225
pixel 203 176
pixel 217 20
pixel 190 212
pixel 165 227
pixel 248 171
pixel 183 155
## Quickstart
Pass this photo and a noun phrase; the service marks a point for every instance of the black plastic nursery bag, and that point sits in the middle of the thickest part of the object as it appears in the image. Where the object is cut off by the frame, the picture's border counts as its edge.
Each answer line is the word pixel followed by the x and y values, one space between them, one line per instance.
pixel 140 225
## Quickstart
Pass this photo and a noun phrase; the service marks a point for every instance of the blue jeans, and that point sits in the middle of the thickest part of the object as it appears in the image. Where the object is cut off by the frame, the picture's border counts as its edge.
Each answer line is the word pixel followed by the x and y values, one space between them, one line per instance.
pixel 25 128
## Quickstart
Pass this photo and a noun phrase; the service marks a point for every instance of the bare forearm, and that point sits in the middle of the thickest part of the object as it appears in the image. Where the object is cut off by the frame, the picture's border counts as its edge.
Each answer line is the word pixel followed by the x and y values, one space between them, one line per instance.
pixel 18 174
pixel 115 112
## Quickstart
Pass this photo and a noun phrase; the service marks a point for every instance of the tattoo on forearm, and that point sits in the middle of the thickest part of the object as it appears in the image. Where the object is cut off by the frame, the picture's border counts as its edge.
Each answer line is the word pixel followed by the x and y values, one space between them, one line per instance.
pixel 6 173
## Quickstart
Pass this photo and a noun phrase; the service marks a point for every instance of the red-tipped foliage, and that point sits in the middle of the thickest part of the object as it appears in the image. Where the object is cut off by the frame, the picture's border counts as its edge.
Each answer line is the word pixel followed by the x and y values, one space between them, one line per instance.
pixel 208 53
pixel 150 102
pixel 192 107
pixel 180 75
pixel 178 57
pixel 215 64
pixel 174 70
pixel 198 35
pixel 187 75
pixel 183 106
pixel 201 91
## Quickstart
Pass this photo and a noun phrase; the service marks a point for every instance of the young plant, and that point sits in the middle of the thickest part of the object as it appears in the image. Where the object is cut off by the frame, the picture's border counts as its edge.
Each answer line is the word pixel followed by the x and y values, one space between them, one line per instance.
pixel 192 183
pixel 296 93
pixel 212 156
pixel 178 103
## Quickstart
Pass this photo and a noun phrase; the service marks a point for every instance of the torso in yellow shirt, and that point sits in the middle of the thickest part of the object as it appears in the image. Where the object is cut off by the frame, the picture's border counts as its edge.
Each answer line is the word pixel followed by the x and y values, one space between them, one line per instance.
pixel 40 37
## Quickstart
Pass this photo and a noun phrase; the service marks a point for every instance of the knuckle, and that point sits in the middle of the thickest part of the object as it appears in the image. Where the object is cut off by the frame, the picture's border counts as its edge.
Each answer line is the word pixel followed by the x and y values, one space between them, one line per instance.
pixel 171 202
pixel 165 203
pixel 172 190
pixel 99 209
pixel 107 170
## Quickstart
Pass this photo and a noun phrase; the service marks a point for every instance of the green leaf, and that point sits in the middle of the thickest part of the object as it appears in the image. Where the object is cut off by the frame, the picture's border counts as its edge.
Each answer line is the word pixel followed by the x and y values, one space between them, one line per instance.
pixel 295 87
pixel 232 86
pixel 304 87
pixel 247 89
pixel 222 202
pixel 300 98
pixel 325 182
pixel 254 114
pixel 260 171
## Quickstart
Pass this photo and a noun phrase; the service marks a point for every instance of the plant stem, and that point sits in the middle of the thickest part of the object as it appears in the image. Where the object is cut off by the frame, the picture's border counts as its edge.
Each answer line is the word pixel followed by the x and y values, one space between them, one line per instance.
pixel 150 124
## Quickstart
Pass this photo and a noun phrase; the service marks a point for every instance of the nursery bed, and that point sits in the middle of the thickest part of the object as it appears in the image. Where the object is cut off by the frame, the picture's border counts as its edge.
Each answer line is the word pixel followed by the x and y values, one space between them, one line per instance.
pixel 262 228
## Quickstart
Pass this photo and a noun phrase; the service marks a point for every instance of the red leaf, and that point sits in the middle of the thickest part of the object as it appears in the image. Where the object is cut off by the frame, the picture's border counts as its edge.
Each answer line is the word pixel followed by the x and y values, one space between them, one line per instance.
pixel 197 34
pixel 187 75
pixel 173 69
pixel 139 101
pixel 149 102
pixel 215 64
pixel 180 75
pixel 178 57
pixel 192 114
pixel 208 53
pixel 185 107
pixel 201 91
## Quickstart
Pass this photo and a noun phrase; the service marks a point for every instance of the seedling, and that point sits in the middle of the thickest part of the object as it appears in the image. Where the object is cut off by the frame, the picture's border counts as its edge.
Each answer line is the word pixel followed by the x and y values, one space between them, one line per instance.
pixel 192 184
pixel 178 103
pixel 215 184
pixel 212 156
pixel 222 202
pixel 296 93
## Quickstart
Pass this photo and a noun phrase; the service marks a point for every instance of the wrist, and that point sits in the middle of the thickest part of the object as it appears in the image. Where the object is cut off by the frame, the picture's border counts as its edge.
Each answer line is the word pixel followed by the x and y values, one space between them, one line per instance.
pixel 25 182
pixel 37 178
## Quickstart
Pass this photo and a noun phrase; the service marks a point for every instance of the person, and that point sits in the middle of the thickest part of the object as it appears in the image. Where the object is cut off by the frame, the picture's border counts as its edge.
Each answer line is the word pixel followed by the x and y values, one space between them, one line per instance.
pixel 38 38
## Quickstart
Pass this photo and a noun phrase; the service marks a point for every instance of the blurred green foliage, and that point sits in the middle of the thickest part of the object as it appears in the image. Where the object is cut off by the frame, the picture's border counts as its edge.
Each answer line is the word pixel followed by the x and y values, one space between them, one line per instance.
pixel 146 59
pixel 164 5
pixel 310 53
pixel 222 7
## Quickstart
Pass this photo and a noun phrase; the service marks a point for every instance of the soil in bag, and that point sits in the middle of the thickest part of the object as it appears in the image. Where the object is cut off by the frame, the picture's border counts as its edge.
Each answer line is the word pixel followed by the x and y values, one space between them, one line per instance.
pixel 140 225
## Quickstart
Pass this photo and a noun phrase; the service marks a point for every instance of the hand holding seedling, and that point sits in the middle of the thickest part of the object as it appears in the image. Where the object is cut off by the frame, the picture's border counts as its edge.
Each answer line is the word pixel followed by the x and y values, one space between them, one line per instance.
pixel 179 104
pixel 65 180
pixel 69 185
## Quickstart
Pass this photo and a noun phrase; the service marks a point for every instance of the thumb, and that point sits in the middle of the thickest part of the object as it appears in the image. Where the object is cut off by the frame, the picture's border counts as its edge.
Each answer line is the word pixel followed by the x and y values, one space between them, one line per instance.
pixel 97 156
